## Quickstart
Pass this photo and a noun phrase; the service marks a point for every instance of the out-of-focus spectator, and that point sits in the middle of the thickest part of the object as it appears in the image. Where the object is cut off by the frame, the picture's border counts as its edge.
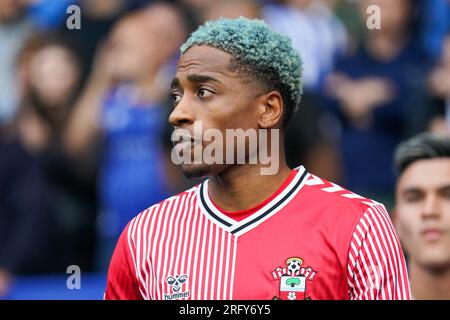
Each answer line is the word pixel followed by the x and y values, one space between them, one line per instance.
pixel 422 213
pixel 50 79
pixel 316 33
pixel 45 216
pixel 24 204
pixel 438 114
pixel 377 90
pixel 122 110
pixel 97 19
pixel 231 9
pixel 14 29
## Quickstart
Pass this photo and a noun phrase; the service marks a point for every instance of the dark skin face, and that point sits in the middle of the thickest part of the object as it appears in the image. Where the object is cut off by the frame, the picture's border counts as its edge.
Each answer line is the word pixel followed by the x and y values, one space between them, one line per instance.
pixel 205 89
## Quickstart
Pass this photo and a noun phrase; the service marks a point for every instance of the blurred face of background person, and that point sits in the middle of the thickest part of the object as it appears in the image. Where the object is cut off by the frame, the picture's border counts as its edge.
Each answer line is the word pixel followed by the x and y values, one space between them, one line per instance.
pixel 395 15
pixel 53 75
pixel 102 8
pixel 11 10
pixel 422 220
pixel 49 79
pixel 141 43
pixel 232 9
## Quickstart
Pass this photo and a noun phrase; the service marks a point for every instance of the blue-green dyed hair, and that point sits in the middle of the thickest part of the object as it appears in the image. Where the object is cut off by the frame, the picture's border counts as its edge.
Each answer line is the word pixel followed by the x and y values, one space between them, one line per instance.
pixel 259 52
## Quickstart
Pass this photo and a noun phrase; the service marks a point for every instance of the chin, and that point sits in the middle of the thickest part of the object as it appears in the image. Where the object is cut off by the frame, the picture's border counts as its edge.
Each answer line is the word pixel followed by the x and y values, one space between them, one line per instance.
pixel 437 263
pixel 194 171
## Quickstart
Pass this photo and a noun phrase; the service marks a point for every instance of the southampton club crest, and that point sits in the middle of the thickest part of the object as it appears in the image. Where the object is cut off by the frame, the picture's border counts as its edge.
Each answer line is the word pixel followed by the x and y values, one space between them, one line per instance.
pixel 293 278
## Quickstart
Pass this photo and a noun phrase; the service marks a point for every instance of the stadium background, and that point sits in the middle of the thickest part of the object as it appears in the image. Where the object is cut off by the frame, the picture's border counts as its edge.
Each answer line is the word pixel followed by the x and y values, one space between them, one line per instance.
pixel 83 130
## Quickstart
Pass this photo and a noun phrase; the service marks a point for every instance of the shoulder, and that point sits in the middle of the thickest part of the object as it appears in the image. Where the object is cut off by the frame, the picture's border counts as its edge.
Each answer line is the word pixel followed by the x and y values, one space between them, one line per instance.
pixel 337 200
pixel 166 207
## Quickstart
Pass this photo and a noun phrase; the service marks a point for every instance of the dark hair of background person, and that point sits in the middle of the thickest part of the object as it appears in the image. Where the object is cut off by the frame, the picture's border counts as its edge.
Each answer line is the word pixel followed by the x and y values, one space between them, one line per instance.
pixel 420 147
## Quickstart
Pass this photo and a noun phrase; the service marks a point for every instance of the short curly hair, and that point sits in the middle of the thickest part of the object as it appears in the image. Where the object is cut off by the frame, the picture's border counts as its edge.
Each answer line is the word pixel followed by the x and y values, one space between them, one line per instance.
pixel 258 52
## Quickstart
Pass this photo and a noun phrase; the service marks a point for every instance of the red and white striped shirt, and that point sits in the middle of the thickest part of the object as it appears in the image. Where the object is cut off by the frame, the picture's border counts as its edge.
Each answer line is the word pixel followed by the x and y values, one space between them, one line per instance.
pixel 312 239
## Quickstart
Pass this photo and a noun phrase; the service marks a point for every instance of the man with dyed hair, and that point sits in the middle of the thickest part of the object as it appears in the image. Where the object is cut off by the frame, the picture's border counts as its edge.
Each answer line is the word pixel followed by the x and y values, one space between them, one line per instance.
pixel 246 232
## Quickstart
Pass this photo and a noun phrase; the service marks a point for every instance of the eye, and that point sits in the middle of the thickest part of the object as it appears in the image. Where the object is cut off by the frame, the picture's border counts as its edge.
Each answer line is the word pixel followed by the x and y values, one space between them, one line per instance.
pixel 413 197
pixel 204 93
pixel 175 97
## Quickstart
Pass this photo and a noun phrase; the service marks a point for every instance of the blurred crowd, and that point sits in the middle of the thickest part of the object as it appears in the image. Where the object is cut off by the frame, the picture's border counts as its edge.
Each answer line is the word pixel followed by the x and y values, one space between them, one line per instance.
pixel 84 137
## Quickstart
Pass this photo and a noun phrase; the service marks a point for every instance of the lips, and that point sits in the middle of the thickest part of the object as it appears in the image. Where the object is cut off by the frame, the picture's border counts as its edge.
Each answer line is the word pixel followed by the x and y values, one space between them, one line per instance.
pixel 185 141
pixel 432 234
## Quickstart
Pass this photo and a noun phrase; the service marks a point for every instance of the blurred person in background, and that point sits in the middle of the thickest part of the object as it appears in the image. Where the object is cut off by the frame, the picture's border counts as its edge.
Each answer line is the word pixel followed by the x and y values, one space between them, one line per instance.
pixel 437 116
pixel 422 213
pixel 49 71
pixel 122 112
pixel 97 19
pixel 24 206
pixel 14 29
pixel 46 209
pixel 376 92
pixel 231 9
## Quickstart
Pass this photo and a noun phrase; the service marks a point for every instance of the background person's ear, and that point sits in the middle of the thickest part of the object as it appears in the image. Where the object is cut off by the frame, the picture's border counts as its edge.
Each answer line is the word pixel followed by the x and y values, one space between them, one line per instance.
pixel 272 110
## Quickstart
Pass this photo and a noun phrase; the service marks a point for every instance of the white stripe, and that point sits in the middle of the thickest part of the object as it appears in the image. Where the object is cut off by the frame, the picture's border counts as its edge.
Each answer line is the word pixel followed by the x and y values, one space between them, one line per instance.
pixel 362 258
pixel 333 188
pixel 314 180
pixel 178 239
pixel 196 252
pixel 227 268
pixel 192 232
pixel 377 251
pixel 233 267
pixel 202 260
pixel 139 253
pixel 146 216
pixel 213 276
pixel 130 245
pixel 222 253
pixel 371 219
pixel 208 262
pixel 148 238
pixel 169 228
pixel 393 241
pixel 155 242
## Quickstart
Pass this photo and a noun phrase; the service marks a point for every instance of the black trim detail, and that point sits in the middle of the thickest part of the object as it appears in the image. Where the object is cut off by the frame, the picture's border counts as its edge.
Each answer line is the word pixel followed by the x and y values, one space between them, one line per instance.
pixel 273 207
pixel 202 199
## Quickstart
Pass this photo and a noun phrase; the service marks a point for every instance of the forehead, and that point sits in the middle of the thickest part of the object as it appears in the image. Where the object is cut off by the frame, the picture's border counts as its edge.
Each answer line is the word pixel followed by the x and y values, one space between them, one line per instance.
pixel 427 173
pixel 204 59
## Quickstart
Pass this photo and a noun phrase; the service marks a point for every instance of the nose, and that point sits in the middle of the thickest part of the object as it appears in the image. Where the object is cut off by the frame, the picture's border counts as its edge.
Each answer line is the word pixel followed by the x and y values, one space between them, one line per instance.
pixel 431 207
pixel 182 114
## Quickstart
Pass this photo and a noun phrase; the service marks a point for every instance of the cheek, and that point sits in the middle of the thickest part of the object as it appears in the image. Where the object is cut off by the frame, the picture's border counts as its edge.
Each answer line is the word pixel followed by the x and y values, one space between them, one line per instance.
pixel 408 225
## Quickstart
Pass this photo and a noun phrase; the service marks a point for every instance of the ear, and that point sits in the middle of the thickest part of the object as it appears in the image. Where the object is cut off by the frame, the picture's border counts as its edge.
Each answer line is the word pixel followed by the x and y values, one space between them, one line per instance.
pixel 272 110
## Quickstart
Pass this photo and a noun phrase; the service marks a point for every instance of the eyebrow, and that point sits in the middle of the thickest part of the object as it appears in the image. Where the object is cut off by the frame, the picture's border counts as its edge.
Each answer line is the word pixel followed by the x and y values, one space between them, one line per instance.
pixel 196 78
pixel 419 189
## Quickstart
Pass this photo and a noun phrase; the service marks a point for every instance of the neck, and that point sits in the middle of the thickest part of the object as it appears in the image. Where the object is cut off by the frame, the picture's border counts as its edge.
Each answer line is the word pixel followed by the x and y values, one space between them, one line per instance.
pixel 429 285
pixel 242 187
